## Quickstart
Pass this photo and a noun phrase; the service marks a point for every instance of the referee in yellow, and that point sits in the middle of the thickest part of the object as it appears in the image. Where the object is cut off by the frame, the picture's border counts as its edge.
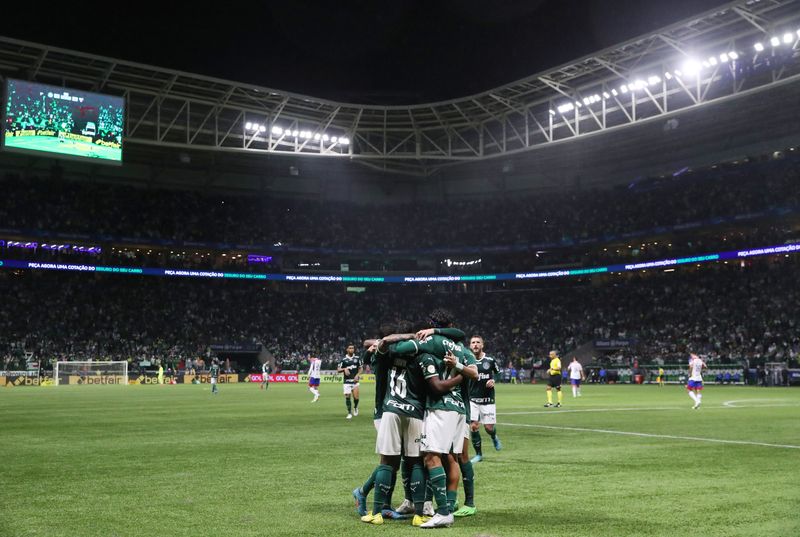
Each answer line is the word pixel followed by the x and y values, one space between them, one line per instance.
pixel 555 380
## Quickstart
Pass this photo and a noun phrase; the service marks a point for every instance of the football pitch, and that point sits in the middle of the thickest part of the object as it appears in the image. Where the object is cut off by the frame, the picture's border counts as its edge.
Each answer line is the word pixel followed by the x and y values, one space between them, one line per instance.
pixel 176 461
pixel 75 148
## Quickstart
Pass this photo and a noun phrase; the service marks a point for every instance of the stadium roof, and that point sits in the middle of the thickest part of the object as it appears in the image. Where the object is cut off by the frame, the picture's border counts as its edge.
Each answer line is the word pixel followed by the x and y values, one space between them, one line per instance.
pixel 707 58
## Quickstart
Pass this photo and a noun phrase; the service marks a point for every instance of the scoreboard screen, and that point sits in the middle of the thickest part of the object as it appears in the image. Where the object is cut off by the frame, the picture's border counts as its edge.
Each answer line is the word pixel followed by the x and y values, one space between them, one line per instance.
pixel 61 121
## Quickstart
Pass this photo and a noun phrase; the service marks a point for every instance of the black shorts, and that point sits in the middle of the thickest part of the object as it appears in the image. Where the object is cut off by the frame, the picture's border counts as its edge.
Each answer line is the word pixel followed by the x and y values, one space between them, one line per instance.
pixel 555 381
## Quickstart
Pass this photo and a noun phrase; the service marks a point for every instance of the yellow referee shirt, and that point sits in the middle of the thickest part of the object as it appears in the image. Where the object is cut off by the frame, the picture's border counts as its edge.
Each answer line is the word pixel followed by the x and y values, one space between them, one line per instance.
pixel 555 366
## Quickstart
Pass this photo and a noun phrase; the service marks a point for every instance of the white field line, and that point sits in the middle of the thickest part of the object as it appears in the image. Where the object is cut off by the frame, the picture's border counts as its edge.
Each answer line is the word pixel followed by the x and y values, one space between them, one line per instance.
pixel 649 435
pixel 706 406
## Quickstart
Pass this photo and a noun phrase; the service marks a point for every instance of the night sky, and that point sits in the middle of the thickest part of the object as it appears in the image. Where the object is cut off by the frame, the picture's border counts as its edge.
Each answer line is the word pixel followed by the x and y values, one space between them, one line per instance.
pixel 380 51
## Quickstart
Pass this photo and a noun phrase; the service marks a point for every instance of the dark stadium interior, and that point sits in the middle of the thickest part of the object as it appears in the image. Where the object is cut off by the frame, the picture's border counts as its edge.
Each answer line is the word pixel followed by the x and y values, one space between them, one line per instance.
pixel 497 205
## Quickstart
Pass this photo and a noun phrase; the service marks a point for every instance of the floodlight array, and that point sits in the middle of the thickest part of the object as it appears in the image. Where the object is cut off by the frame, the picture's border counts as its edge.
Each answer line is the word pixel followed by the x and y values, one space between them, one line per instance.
pixel 690 69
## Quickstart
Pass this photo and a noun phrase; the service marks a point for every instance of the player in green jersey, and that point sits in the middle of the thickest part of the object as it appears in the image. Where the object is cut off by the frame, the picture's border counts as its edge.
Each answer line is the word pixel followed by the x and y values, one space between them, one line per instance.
pixel 381 369
pixel 482 399
pixel 214 374
pixel 350 367
pixel 443 361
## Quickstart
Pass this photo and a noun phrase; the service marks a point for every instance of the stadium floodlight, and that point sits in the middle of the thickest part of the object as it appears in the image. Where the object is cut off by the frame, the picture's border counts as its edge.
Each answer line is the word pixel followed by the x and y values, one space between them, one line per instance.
pixel 325 138
pixel 788 38
pixel 775 41
pixel 552 112
pixel 712 60
pixel 653 80
pixel 706 64
pixel 277 130
pixel 668 75
pixel 317 136
pixel 262 128
pixel 614 92
pixel 334 139
pixel 691 67
pixel 295 133
pixel 566 107
pixel 733 55
pixel 586 100
pixel 640 84
pixel 759 47
pixel 344 141
pixel 248 126
pixel 678 72
pixel 623 88
pixel 606 95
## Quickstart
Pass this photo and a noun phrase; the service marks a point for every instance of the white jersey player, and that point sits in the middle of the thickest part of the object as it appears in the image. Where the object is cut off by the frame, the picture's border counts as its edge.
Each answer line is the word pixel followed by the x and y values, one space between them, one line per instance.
pixel 576 376
pixel 695 383
pixel 313 377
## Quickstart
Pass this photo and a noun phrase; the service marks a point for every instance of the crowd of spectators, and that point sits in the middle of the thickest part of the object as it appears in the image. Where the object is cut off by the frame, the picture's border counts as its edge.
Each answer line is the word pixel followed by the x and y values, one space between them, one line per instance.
pixel 727 313
pixel 564 217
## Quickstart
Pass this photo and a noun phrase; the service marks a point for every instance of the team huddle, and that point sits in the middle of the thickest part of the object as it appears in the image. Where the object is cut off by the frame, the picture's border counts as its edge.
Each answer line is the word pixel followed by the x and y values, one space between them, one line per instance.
pixel 432 391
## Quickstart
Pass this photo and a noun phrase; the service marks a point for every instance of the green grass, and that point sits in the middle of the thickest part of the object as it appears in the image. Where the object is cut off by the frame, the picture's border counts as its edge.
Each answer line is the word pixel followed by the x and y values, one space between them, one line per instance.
pixel 51 144
pixel 175 461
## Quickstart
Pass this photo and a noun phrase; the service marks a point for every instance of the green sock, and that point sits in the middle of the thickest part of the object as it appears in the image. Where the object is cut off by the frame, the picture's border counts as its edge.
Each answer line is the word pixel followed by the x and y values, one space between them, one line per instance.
pixel 452 496
pixel 476 442
pixel 428 486
pixel 383 486
pixel 493 432
pixel 355 402
pixel 406 476
pixel 347 402
pixel 366 488
pixel 468 478
pixel 418 487
pixel 388 501
pixel 438 481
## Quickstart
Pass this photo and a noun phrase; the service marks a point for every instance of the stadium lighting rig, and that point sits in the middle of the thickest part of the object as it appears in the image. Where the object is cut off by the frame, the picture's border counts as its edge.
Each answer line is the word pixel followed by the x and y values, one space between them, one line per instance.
pixel 304 134
pixel 690 68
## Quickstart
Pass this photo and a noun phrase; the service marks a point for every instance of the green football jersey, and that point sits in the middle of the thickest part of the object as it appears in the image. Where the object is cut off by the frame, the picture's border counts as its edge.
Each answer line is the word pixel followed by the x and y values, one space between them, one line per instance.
pixel 351 365
pixel 480 394
pixel 405 385
pixel 436 345
pixel 214 371
pixel 379 370
pixel 453 400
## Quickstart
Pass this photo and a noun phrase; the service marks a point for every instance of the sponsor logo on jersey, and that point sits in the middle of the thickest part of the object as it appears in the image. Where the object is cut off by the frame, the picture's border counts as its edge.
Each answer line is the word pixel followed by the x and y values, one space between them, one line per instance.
pixel 402 406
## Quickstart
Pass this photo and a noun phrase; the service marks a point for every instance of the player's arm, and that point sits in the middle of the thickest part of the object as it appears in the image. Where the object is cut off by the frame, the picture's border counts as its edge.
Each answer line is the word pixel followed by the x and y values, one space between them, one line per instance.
pixel 451 333
pixel 438 386
pixel 468 371
pixel 339 368
pixel 493 370
pixel 407 345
